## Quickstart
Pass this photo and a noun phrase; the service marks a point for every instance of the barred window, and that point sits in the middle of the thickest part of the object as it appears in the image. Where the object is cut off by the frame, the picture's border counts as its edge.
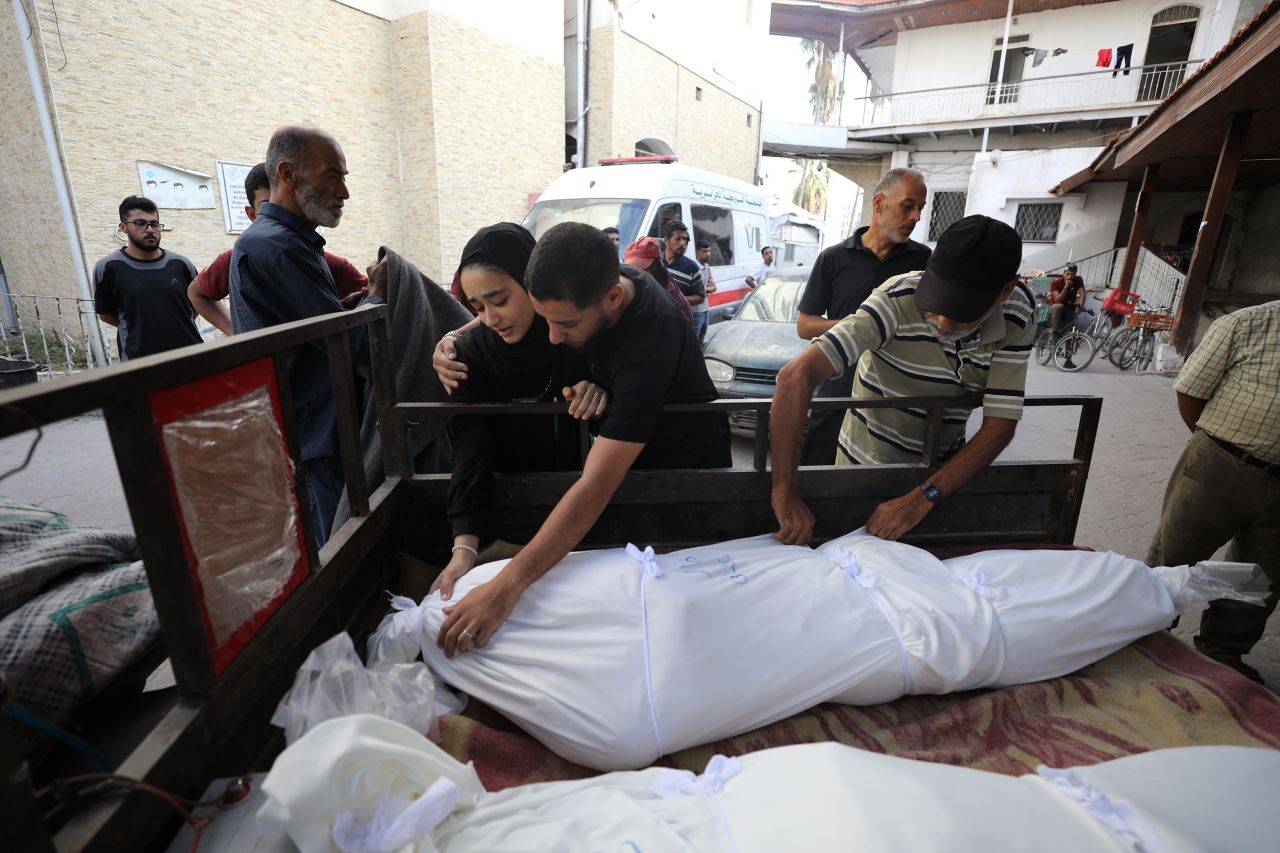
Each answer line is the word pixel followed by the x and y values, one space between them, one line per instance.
pixel 946 209
pixel 1038 223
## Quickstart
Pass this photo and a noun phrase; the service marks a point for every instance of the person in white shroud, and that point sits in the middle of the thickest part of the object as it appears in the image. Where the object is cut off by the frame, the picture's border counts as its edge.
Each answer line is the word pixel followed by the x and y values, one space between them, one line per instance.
pixel 617 657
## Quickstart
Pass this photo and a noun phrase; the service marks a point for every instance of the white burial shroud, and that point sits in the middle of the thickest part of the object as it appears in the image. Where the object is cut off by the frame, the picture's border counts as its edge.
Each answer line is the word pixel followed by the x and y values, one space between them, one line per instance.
pixel 616 657
pixel 371 785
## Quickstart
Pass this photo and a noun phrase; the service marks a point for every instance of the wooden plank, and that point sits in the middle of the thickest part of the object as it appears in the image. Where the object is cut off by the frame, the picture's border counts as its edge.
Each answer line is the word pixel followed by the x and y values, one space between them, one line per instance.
pixel 1150 176
pixel 223 734
pixel 344 398
pixel 391 425
pixel 1086 438
pixel 94 389
pixel 1211 228
pixel 138 454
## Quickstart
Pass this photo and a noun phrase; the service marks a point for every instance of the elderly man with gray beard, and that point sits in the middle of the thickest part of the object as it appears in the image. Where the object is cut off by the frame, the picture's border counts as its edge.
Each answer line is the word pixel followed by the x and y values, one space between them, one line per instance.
pixel 279 274
pixel 963 326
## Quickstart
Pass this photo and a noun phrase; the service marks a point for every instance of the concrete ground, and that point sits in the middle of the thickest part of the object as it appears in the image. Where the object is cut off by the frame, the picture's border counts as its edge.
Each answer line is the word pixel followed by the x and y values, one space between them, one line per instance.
pixel 1139 439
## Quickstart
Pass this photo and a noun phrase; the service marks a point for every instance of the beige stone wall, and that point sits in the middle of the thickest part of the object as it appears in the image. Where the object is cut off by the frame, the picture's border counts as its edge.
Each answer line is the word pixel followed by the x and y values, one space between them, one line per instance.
pixel 637 92
pixel 210 81
pixel 419 199
pixel 499 127
pixel 33 241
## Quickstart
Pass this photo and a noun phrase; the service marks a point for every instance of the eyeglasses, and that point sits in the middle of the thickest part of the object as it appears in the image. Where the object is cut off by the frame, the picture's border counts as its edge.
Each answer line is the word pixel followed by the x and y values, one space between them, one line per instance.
pixel 145 225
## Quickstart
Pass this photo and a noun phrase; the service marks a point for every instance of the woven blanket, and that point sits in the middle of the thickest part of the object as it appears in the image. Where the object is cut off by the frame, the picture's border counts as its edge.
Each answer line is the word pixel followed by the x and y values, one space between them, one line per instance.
pixel 1153 694
pixel 75 612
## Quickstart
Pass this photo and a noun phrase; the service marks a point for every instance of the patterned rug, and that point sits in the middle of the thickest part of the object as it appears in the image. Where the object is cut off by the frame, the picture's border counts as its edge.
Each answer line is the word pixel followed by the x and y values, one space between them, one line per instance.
pixel 1156 693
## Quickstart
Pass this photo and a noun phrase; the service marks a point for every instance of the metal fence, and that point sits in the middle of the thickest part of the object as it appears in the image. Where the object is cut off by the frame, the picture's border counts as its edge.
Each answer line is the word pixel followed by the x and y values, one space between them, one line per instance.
pixel 1140 84
pixel 61 334
pixel 1158 282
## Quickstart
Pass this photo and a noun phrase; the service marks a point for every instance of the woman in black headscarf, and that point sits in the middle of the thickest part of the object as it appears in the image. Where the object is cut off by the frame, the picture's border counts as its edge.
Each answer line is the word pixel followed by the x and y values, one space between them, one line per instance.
pixel 509 356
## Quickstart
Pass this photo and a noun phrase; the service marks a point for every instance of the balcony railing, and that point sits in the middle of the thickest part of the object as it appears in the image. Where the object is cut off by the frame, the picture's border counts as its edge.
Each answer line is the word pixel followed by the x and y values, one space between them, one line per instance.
pixel 1063 93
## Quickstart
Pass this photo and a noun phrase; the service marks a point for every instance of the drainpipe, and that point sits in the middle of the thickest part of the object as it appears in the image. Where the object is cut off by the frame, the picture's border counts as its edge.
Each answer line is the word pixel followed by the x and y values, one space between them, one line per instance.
pixel 1004 50
pixel 59 176
pixel 1213 28
pixel 582 32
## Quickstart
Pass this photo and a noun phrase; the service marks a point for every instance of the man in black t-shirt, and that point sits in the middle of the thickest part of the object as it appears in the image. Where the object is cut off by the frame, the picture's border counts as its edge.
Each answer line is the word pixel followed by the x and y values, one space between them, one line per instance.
pixel 142 290
pixel 644 353
pixel 843 277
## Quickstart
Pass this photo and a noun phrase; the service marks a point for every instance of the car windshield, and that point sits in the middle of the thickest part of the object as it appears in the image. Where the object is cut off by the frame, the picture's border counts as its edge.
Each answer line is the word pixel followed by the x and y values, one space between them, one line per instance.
pixel 775 301
pixel 625 214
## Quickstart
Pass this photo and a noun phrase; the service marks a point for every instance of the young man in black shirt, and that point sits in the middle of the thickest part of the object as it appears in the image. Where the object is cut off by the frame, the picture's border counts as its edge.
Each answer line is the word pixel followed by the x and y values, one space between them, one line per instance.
pixel 843 277
pixel 644 353
pixel 142 290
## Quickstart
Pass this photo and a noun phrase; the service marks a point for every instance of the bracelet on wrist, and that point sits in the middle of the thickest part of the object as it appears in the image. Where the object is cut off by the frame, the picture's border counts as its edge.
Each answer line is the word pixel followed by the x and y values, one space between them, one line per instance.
pixel 473 551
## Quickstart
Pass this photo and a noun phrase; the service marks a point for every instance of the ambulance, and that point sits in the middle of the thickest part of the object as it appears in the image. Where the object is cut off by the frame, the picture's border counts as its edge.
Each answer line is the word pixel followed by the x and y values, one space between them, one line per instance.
pixel 638 195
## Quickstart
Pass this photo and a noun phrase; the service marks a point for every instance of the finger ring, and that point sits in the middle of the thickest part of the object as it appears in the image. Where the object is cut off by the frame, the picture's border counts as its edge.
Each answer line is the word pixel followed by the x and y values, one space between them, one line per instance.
pixel 468 635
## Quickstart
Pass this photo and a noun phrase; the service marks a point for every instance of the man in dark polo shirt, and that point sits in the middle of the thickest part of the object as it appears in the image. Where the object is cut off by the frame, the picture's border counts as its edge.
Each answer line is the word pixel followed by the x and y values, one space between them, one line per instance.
pixel 843 277
pixel 137 287
pixel 644 353
pixel 279 274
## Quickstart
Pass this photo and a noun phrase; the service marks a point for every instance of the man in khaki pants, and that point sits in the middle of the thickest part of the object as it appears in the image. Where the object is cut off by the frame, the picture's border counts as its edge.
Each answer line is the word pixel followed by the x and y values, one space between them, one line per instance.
pixel 1226 485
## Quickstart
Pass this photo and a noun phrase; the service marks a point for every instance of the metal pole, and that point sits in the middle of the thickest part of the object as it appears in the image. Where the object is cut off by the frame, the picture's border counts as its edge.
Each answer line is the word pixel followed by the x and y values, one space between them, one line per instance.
pixel 55 167
pixel 844 69
pixel 1004 52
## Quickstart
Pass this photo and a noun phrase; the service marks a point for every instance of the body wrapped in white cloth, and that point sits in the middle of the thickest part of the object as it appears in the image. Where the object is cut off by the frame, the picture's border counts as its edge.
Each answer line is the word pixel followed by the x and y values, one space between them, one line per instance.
pixel 368 785
pixel 616 657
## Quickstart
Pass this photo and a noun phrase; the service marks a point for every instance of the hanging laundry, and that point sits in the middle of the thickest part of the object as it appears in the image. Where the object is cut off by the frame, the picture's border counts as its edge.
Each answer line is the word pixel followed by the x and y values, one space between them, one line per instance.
pixel 1040 55
pixel 1124 54
pixel 1104 58
pixel 1058 51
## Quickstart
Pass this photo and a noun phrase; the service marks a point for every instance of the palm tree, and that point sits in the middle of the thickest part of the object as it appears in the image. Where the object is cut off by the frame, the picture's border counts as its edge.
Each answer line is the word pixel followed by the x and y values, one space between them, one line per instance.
pixel 824 93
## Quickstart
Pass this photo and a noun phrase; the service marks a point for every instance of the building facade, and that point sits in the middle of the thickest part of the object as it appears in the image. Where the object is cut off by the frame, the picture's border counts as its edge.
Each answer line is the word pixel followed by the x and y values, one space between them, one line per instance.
pixel 451 113
pixel 994 126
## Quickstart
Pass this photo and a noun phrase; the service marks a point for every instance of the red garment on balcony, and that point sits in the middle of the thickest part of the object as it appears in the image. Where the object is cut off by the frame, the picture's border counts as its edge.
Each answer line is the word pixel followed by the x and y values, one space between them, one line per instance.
pixel 1104 57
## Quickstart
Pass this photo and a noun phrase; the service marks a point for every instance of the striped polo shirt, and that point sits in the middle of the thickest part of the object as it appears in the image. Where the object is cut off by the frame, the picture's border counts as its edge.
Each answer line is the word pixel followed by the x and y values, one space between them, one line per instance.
pixel 897 355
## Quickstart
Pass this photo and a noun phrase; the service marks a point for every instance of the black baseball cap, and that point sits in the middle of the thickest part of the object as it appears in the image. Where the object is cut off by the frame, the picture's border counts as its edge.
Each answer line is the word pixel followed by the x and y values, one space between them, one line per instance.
pixel 975 259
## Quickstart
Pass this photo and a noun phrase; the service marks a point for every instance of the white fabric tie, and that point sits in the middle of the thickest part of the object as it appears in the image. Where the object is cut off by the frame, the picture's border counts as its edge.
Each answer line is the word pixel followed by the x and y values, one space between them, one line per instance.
pixel 407 612
pixel 976 580
pixel 648 561
pixel 867 580
pixel 646 558
pixel 683 783
pixel 1119 816
pixel 395 824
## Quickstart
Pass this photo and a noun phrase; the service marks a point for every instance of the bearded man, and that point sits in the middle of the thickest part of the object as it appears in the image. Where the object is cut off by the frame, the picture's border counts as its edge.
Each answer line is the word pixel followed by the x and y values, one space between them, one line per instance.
pixel 279 274
pixel 963 326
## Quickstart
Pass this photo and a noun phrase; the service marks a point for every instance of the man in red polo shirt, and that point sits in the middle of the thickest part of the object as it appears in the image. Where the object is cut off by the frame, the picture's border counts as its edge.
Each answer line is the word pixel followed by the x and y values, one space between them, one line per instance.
pixel 211 286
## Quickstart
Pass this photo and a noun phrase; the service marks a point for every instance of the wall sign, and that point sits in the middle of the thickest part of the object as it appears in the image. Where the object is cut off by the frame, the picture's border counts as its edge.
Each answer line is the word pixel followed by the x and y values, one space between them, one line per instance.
pixel 174 188
pixel 231 184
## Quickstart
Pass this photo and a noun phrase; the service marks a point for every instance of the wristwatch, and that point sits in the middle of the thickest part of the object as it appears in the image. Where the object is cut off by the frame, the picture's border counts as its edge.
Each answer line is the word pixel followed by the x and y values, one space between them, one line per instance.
pixel 932 492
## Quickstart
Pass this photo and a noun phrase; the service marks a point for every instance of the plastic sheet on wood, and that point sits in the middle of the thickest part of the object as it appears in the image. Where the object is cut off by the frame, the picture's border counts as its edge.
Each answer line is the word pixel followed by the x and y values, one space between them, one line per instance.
pixel 234 482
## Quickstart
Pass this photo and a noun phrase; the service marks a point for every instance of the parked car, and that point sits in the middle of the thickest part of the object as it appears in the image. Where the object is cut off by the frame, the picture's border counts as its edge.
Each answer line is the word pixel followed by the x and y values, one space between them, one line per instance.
pixel 745 354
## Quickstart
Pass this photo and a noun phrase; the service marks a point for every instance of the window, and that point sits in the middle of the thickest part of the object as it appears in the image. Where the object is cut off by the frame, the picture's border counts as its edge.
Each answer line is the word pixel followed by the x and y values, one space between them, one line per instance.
pixel 697 93
pixel 748 119
pixel 621 213
pixel 715 225
pixel 778 301
pixel 665 214
pixel 1176 15
pixel 947 209
pixel 1038 223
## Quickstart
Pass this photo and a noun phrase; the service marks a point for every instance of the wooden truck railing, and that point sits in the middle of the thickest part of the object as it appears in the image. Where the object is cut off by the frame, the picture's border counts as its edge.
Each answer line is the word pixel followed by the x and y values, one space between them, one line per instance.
pixel 218 722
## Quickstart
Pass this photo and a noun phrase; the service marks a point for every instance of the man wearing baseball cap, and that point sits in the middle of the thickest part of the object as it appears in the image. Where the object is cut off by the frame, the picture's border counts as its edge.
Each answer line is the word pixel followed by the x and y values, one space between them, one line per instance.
pixel 962 326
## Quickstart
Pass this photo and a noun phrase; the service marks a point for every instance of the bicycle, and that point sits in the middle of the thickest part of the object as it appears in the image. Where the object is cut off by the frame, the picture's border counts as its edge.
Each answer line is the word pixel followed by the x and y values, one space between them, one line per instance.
pixel 1071 349
pixel 1140 348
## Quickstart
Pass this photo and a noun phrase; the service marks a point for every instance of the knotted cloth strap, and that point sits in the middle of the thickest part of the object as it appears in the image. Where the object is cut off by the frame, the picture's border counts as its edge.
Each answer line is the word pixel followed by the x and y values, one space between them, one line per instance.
pixel 682 783
pixel 1119 816
pixel 976 580
pixel 649 563
pixel 848 564
pixel 396 823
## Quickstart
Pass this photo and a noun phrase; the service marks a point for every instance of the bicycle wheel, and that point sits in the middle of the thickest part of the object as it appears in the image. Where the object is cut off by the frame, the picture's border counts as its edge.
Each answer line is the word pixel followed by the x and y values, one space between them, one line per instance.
pixel 1074 352
pixel 1146 352
pixel 1132 350
pixel 1099 328
pixel 1117 342
pixel 1044 346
